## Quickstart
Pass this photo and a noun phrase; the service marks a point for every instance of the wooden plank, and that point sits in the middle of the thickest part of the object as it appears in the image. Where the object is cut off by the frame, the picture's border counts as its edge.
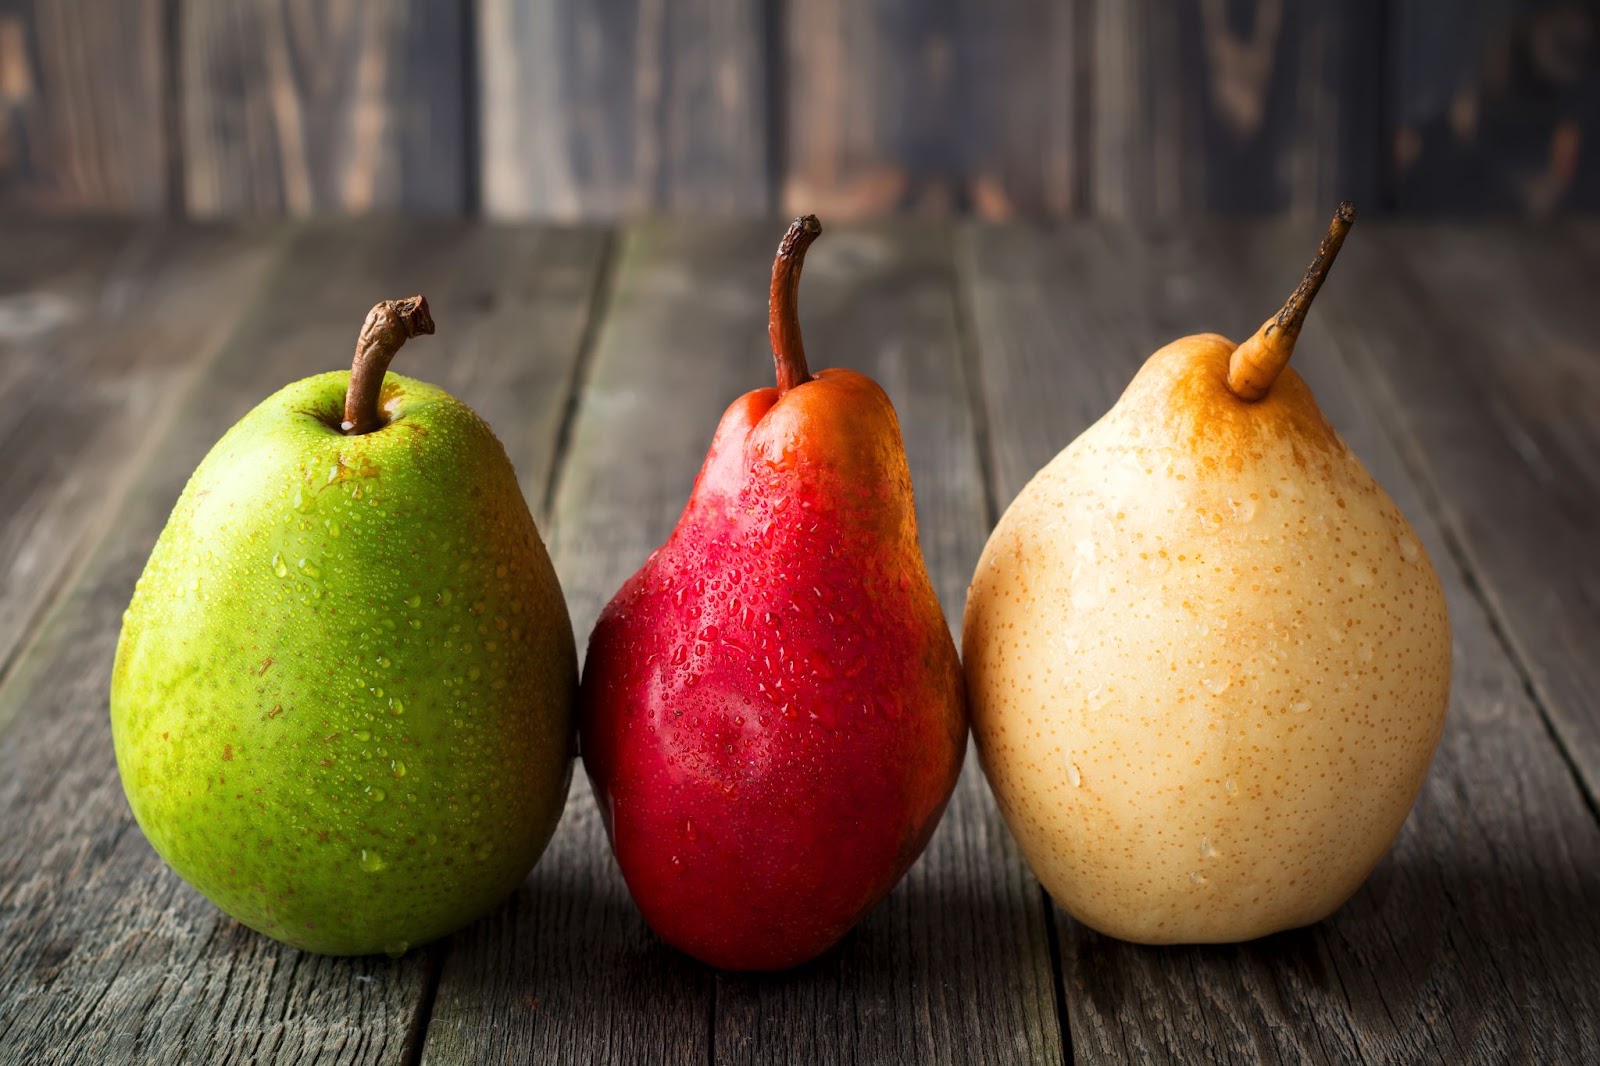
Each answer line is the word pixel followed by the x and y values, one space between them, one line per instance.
pixel 1486 360
pixel 304 107
pixel 1475 939
pixel 1493 107
pixel 53 275
pixel 95 365
pixel 67 257
pixel 955 966
pixel 53 272
pixel 105 951
pixel 83 89
pixel 960 105
pixel 1241 108
pixel 622 107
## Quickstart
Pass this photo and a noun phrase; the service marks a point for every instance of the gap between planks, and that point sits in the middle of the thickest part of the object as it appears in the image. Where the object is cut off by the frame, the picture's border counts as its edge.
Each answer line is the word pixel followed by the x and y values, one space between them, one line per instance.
pixel 964 270
pixel 601 298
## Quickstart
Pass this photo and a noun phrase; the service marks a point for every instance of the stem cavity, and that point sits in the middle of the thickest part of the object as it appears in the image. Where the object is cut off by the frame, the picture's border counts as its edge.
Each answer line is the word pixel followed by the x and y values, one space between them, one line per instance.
pixel 1256 363
pixel 388 326
pixel 783 313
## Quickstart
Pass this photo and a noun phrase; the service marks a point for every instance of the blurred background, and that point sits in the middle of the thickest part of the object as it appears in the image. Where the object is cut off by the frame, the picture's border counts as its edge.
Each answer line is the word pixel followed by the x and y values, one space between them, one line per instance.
pixel 598 109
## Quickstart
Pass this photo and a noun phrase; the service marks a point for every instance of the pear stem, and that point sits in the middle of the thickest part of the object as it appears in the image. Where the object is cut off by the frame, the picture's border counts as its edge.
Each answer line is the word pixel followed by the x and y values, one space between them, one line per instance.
pixel 388 326
pixel 783 313
pixel 1256 363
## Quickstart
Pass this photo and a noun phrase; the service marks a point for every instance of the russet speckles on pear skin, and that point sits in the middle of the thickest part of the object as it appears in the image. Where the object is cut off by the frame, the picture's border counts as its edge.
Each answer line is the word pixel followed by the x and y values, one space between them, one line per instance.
pixel 1208 661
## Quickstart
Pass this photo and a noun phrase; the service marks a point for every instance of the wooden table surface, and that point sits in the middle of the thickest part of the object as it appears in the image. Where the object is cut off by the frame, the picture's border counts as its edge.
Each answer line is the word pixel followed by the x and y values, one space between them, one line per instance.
pixel 1462 365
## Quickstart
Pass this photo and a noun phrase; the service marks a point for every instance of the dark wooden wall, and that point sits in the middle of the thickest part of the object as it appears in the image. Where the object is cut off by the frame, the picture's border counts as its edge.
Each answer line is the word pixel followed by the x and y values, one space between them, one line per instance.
pixel 605 108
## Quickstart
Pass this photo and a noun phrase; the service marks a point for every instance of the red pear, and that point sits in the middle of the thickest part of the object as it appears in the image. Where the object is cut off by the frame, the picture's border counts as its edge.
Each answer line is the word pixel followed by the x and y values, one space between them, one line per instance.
pixel 773 714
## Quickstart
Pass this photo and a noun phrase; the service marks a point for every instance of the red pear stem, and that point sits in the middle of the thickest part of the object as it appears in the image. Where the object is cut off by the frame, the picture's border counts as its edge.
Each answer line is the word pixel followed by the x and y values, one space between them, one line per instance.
pixel 1256 363
pixel 388 326
pixel 783 311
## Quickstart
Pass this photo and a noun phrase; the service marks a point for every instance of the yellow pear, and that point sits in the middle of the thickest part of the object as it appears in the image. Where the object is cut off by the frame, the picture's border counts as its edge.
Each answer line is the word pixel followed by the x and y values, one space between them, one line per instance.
pixel 1208 658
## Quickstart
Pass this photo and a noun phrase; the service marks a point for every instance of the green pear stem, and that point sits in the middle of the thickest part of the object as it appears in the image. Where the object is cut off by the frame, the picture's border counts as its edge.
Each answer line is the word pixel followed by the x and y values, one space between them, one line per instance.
pixel 388 326
pixel 1256 363
pixel 783 311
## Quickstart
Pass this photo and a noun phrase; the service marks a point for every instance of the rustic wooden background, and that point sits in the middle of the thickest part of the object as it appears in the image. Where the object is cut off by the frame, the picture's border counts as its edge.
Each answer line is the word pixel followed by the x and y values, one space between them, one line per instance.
pixel 602 108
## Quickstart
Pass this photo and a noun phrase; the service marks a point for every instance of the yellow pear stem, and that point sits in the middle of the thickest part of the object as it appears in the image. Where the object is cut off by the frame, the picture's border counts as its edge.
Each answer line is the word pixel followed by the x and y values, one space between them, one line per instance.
pixel 783 309
pixel 1256 363
pixel 388 326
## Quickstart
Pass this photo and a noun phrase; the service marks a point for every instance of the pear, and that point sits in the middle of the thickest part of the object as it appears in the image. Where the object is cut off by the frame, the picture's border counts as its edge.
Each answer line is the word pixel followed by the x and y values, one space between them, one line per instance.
pixel 772 712
pixel 343 698
pixel 1207 657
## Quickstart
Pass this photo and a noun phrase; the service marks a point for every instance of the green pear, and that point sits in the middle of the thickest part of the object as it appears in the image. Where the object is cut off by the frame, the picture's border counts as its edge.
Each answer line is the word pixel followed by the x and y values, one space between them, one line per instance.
pixel 1207 656
pixel 343 700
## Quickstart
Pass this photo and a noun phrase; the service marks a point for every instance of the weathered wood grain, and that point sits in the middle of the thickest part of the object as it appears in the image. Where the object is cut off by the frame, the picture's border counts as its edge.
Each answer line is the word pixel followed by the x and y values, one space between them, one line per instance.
pixel 1483 352
pixel 299 106
pixel 83 90
pixel 107 956
pixel 52 273
pixel 96 359
pixel 1494 107
pixel 959 105
pixel 1261 107
pixel 955 966
pixel 1474 940
pixel 620 107
pixel 51 253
